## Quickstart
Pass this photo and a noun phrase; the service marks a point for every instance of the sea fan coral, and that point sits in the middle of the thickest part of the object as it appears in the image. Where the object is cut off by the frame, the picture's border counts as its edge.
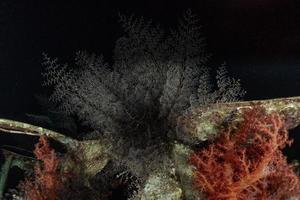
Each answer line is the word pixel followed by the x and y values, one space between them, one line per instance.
pixel 247 162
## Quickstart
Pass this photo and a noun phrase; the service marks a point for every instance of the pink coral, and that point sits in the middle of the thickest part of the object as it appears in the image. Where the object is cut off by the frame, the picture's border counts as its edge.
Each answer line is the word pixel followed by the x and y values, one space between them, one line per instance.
pixel 247 163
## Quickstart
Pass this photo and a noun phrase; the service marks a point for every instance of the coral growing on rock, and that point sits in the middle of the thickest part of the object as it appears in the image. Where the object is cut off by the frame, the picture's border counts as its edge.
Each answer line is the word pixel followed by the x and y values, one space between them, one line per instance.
pixel 50 182
pixel 247 162
pixel 47 181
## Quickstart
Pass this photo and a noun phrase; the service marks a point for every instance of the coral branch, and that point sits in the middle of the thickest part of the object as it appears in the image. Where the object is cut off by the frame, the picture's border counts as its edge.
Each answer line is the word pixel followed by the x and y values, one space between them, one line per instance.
pixel 52 181
pixel 247 163
pixel 48 180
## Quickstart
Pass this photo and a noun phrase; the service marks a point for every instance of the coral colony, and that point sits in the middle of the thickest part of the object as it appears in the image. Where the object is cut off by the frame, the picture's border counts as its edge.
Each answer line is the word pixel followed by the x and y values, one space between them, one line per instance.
pixel 243 161
pixel 158 126
pixel 247 162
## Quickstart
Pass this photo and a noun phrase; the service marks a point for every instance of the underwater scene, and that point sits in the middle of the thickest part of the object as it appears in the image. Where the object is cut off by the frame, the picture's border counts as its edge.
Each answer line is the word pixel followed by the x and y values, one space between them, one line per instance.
pixel 150 100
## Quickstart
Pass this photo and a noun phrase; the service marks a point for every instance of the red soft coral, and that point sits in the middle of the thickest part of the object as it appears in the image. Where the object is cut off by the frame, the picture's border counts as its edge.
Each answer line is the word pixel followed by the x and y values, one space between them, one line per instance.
pixel 48 180
pixel 51 182
pixel 247 163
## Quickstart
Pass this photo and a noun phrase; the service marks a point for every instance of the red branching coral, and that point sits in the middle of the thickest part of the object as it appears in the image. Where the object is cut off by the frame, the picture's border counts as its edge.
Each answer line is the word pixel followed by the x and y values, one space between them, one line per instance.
pixel 51 182
pixel 48 180
pixel 247 163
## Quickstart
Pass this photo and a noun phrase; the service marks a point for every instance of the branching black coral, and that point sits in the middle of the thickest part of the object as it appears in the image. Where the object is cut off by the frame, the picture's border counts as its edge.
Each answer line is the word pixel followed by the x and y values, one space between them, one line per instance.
pixel 156 76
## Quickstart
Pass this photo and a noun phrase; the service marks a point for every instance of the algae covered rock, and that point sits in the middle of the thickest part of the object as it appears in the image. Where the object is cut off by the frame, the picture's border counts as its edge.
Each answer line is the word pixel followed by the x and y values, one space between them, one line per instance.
pixel 184 171
pixel 161 187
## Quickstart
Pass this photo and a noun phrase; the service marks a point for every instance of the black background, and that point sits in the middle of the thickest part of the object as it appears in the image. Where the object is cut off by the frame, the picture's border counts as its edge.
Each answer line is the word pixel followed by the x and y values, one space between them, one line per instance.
pixel 258 39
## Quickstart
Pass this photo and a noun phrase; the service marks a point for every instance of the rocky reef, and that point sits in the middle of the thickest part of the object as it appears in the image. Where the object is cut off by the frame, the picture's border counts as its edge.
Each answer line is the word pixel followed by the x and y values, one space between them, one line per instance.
pixel 87 158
